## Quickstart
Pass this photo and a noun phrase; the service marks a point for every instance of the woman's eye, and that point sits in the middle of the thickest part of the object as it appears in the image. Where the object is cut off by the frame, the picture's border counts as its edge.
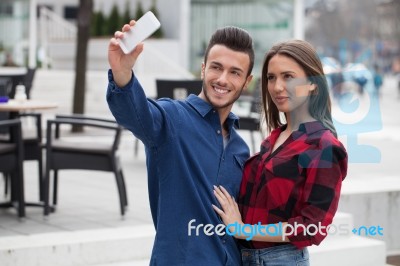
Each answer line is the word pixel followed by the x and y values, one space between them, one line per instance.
pixel 270 78
pixel 288 77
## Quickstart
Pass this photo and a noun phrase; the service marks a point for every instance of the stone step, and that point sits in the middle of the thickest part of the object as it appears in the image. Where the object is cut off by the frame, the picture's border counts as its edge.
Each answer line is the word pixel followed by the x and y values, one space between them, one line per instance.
pixel 342 225
pixel 343 247
pixel 352 251
pixel 79 248
pixel 132 246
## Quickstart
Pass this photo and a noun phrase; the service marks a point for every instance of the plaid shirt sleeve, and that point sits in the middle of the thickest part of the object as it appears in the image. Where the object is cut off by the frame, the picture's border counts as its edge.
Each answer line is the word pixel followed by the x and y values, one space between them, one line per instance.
pixel 299 183
pixel 326 167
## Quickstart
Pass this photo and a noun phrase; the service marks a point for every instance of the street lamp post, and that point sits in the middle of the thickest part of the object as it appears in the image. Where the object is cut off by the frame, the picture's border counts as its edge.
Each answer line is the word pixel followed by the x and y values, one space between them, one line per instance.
pixel 298 19
pixel 32 33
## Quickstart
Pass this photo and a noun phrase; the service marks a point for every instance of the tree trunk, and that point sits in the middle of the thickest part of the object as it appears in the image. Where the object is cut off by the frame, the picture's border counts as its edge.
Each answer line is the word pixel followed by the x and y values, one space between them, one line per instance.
pixel 84 17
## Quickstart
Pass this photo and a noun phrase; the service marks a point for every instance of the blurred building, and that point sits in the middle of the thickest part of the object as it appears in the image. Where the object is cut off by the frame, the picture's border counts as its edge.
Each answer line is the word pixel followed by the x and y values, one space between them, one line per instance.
pixel 359 31
pixel 187 26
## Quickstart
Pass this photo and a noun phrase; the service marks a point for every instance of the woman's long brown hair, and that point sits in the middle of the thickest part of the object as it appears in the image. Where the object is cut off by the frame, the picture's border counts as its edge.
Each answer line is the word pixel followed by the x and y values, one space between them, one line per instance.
pixel 319 103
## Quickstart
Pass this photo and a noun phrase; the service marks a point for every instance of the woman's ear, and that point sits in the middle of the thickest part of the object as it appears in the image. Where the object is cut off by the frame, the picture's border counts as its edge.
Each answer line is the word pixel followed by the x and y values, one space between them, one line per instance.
pixel 313 87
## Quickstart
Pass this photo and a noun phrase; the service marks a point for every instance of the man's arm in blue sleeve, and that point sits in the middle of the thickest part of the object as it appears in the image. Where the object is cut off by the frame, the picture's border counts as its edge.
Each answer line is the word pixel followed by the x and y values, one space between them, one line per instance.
pixel 143 117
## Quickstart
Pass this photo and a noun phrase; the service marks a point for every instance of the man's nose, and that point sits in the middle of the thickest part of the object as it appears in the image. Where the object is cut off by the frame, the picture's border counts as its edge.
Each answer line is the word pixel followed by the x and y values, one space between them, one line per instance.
pixel 223 78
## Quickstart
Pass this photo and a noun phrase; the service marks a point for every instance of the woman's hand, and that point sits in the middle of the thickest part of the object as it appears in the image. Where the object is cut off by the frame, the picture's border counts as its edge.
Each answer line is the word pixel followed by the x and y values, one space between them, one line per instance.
pixel 230 210
pixel 121 64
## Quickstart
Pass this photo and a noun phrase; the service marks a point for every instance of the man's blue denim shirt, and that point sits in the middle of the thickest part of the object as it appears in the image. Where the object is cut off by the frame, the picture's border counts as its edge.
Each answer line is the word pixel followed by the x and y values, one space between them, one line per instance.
pixel 185 158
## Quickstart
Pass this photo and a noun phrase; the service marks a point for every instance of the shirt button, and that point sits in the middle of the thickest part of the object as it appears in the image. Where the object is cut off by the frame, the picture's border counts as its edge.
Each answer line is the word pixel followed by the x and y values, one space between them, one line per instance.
pixel 219 131
pixel 223 241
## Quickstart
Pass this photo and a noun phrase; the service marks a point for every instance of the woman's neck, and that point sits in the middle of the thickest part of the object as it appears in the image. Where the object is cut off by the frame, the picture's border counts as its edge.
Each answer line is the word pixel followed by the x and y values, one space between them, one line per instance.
pixel 294 121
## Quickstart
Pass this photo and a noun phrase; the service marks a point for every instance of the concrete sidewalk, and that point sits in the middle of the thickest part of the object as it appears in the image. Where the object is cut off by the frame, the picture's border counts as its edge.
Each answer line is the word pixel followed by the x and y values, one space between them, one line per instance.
pixel 87 199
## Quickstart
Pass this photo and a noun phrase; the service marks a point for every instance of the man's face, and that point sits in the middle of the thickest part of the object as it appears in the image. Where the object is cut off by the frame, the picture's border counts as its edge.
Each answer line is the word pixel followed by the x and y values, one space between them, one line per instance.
pixel 224 77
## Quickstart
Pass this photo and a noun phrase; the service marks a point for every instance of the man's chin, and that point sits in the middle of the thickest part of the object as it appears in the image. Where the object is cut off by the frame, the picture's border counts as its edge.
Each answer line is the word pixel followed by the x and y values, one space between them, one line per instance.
pixel 220 104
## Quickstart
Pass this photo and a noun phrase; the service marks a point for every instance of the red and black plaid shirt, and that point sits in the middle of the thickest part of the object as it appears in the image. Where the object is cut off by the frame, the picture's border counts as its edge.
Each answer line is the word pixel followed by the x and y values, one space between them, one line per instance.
pixel 299 182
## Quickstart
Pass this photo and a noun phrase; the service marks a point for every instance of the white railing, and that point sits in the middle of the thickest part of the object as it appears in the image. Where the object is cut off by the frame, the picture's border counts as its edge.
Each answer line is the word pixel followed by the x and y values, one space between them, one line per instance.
pixel 52 27
pixel 155 62
pixel 161 58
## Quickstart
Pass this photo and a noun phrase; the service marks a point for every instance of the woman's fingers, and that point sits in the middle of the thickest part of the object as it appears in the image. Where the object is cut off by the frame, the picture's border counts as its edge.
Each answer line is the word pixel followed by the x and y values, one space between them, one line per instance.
pixel 218 210
pixel 227 195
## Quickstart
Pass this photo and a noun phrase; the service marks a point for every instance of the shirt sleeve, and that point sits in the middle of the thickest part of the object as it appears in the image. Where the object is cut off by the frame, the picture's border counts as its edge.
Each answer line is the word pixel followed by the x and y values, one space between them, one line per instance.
pixel 326 169
pixel 145 118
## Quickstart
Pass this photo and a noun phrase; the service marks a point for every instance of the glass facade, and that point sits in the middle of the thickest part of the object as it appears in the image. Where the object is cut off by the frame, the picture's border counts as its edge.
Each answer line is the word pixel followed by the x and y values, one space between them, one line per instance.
pixel 267 21
pixel 14 19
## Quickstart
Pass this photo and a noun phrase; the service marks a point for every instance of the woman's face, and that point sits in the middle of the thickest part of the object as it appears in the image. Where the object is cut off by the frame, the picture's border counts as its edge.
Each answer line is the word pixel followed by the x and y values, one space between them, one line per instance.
pixel 288 85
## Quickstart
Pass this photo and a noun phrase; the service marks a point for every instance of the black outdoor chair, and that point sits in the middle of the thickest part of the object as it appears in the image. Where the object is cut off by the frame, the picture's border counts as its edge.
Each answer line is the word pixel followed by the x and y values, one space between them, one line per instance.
pixel 178 89
pixel 32 142
pixel 251 122
pixel 61 154
pixel 28 81
pixel 32 139
pixel 11 157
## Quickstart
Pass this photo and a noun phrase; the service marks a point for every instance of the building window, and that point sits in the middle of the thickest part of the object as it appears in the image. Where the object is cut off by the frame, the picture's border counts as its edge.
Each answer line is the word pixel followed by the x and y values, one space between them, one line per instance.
pixel 70 12
pixel 6 9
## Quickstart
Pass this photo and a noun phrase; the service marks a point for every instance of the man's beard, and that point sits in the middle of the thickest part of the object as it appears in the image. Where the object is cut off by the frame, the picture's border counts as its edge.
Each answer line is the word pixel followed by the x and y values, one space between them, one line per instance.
pixel 225 105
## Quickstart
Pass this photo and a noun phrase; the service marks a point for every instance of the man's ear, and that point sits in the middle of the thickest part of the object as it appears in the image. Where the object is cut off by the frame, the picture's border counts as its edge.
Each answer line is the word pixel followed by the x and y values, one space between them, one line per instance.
pixel 248 81
pixel 203 67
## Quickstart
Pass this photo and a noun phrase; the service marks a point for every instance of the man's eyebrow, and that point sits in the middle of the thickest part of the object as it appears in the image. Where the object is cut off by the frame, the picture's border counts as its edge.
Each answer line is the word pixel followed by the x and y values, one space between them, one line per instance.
pixel 231 68
pixel 215 63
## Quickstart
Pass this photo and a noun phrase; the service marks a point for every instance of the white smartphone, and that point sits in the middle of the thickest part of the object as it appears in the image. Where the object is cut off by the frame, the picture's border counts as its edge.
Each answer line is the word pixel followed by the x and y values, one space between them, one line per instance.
pixel 143 28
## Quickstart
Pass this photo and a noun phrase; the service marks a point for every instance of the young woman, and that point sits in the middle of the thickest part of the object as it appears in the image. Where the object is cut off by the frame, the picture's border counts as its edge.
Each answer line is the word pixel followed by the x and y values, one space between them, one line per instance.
pixel 290 189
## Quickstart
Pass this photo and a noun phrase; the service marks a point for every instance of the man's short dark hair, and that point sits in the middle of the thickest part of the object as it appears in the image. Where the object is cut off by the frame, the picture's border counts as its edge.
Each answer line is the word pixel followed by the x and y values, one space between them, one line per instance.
pixel 234 38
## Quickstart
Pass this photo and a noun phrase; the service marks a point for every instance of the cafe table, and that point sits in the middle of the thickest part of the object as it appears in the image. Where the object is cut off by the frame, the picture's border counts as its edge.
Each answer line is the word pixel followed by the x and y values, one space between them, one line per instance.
pixel 15 108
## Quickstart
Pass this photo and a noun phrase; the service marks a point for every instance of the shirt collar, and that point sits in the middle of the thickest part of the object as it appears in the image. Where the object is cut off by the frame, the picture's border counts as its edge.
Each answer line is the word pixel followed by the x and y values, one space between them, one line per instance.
pixel 308 128
pixel 311 127
pixel 203 108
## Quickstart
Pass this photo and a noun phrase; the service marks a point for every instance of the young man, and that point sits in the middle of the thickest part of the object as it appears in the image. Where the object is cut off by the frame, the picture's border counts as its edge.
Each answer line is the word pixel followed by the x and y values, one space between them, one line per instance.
pixel 191 145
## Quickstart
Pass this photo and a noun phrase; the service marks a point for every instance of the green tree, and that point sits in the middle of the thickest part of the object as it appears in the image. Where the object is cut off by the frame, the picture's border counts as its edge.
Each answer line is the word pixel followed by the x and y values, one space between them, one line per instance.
pixel 114 20
pixel 98 24
pixel 159 33
pixel 126 17
pixel 139 11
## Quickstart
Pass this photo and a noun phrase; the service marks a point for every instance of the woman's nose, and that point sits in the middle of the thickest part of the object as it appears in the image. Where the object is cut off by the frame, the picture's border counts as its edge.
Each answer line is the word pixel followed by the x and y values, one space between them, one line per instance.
pixel 279 85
